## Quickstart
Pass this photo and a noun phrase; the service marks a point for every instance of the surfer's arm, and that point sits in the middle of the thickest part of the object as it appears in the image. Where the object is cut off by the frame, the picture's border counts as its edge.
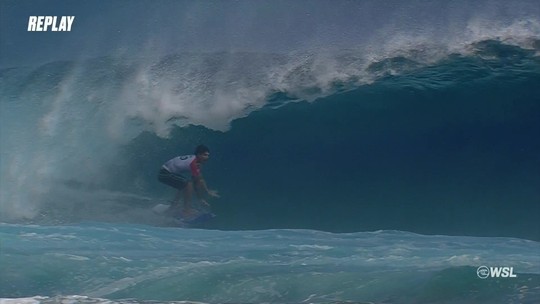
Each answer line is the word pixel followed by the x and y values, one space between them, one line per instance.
pixel 200 185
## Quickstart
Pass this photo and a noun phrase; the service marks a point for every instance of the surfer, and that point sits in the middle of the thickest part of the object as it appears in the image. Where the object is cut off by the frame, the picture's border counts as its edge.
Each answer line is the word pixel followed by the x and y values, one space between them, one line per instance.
pixel 184 174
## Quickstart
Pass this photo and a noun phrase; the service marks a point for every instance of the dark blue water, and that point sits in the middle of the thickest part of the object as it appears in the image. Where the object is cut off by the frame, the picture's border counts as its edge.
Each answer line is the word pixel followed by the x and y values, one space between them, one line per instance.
pixel 447 149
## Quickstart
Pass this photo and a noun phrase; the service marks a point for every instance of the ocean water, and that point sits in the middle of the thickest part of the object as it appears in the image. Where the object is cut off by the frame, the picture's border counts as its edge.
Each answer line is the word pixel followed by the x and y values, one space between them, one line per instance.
pixel 144 264
pixel 374 152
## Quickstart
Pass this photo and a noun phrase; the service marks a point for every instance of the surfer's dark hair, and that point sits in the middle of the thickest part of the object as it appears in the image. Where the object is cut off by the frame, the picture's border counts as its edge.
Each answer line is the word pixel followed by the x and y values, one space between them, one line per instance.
pixel 201 149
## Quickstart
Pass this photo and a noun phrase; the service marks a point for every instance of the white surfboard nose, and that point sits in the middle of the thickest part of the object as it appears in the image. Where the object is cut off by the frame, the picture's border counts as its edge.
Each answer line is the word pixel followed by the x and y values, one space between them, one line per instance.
pixel 160 208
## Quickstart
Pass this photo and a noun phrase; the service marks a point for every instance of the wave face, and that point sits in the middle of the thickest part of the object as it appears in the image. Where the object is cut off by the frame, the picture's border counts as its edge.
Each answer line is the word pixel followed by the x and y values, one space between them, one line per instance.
pixel 428 131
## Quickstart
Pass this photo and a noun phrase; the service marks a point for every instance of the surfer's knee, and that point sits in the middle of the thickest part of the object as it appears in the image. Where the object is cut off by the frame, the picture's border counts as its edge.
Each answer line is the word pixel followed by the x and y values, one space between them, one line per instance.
pixel 189 186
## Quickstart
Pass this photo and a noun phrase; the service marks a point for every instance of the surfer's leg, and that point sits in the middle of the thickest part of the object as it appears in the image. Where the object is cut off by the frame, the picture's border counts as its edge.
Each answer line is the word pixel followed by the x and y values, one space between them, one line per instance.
pixel 179 182
pixel 199 191
pixel 176 201
pixel 188 193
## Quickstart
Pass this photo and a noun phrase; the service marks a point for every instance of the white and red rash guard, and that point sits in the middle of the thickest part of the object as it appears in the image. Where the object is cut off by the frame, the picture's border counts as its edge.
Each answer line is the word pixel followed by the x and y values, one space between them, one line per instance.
pixel 183 164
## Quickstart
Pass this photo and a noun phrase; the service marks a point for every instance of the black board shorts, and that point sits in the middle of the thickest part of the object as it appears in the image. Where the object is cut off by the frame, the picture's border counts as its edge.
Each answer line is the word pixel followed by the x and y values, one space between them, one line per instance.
pixel 174 180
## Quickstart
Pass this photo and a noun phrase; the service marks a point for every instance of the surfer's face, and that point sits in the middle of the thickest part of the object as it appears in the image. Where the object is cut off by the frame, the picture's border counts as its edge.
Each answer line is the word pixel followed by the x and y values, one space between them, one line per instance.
pixel 202 157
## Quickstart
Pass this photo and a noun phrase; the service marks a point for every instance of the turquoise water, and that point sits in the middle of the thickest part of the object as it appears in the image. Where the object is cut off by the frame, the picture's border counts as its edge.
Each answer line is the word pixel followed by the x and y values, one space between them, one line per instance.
pixel 142 263
pixel 372 152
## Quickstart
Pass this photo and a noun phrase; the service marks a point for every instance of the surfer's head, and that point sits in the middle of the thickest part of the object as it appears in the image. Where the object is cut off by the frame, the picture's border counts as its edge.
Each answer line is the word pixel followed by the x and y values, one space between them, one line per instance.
pixel 202 152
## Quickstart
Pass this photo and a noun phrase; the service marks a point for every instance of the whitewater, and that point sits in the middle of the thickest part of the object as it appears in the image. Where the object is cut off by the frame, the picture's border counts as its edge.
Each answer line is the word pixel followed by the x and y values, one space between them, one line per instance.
pixel 144 264
pixel 365 152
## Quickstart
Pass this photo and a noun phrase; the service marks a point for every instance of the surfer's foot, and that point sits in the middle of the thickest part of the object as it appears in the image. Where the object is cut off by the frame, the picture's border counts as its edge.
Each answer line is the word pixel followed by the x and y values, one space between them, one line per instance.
pixel 205 204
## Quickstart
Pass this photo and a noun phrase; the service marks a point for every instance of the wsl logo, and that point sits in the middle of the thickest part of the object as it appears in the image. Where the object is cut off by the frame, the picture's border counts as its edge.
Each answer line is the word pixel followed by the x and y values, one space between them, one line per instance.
pixel 485 272
pixel 50 23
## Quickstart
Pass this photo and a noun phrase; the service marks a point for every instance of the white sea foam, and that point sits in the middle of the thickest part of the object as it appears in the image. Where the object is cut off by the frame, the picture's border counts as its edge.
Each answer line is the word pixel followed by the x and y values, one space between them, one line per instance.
pixel 277 265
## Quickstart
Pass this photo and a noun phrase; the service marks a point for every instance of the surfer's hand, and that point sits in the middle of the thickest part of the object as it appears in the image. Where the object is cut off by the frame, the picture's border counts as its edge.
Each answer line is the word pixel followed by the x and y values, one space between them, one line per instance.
pixel 205 204
pixel 213 193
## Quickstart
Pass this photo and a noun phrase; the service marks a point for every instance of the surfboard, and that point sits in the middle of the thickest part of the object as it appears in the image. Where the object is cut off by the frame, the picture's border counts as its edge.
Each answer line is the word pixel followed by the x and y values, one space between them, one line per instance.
pixel 200 217
pixel 161 208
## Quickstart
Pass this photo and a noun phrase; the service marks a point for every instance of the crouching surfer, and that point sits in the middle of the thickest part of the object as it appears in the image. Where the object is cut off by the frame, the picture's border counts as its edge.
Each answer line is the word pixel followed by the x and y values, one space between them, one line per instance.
pixel 184 174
